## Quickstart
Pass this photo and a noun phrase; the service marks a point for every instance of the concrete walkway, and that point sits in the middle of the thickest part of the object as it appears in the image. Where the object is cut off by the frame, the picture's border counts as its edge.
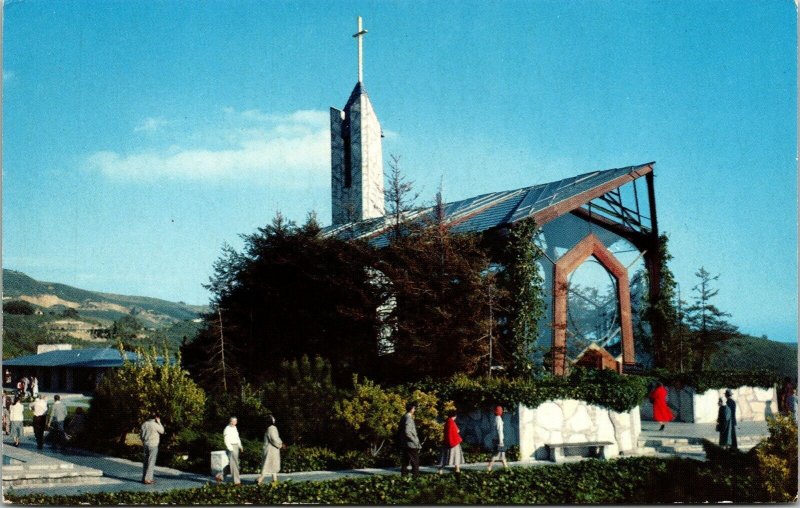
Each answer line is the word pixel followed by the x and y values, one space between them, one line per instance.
pixel 124 475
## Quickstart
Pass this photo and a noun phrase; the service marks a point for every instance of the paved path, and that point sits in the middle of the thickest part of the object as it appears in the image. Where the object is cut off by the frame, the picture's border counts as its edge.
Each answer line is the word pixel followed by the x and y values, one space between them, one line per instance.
pixel 125 475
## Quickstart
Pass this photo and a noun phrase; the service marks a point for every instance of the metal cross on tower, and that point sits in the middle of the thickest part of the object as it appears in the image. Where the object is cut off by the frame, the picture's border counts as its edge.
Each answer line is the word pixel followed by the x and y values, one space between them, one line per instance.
pixel 359 35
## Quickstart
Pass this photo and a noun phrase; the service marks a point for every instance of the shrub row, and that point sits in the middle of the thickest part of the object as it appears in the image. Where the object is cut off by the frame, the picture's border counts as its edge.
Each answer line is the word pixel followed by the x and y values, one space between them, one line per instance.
pixel 600 387
pixel 717 379
pixel 640 480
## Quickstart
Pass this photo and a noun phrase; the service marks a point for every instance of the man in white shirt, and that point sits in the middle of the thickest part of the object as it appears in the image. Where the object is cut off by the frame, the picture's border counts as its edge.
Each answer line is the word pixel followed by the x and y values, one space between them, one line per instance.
pixel 234 446
pixel 39 410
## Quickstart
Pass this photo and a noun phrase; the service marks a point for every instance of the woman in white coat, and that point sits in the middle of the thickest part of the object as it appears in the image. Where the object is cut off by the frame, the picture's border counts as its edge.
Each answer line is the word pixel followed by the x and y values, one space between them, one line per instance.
pixel 272 452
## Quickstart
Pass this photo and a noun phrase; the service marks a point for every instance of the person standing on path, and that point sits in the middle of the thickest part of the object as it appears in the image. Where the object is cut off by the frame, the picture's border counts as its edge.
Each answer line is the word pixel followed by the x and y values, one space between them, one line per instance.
pixel 499 440
pixel 7 378
pixel 409 442
pixel 151 436
pixel 724 426
pixel 661 412
pixel 234 446
pixel 58 413
pixel 17 410
pixel 732 406
pixel 39 410
pixel 34 387
pixel 452 455
pixel 272 452
pixel 6 414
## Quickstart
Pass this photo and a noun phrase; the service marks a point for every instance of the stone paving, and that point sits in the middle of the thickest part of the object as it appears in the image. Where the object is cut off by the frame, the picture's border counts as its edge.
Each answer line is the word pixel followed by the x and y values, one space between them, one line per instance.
pixel 124 475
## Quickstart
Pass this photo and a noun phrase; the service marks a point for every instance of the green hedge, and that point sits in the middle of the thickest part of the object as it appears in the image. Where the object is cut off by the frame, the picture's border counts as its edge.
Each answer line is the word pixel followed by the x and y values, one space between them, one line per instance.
pixel 639 480
pixel 716 379
pixel 604 388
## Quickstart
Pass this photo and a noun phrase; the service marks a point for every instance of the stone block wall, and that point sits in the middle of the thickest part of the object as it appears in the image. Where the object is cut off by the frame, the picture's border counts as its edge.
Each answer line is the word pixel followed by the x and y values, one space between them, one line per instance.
pixel 574 421
pixel 752 404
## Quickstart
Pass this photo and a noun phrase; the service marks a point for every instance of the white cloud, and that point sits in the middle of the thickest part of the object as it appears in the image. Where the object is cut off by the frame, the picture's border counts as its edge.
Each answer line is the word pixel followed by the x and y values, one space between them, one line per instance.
pixel 150 124
pixel 276 149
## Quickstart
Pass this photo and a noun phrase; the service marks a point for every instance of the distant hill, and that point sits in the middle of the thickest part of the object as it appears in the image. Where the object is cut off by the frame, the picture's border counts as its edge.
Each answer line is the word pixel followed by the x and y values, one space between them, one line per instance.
pixel 102 307
pixel 757 353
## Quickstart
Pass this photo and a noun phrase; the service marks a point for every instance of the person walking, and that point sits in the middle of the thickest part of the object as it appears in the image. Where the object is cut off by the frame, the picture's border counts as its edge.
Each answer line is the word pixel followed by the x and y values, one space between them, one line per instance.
pixel 661 411
pixel 732 405
pixel 791 403
pixel 499 440
pixel 452 455
pixel 16 416
pixel 34 387
pixel 58 413
pixel 6 414
pixel 234 446
pixel 408 441
pixel 272 452
pixel 7 378
pixel 26 383
pixel 151 435
pixel 39 410
pixel 724 424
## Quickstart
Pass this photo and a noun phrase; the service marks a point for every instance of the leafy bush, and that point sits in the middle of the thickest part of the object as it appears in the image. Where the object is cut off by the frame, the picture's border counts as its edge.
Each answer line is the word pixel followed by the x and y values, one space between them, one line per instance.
pixel 777 459
pixel 129 395
pixel 637 480
pixel 20 307
pixel 601 387
pixel 373 413
pixel 716 379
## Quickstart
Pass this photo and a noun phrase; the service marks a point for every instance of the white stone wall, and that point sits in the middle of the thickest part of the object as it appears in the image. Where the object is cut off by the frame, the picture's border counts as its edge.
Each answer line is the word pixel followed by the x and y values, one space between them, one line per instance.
pixel 574 421
pixel 752 404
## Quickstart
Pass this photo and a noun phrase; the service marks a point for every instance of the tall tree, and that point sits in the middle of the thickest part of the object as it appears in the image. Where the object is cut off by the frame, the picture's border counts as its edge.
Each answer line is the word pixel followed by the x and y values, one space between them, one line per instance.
pixel 439 317
pixel 290 292
pixel 708 325
pixel 400 197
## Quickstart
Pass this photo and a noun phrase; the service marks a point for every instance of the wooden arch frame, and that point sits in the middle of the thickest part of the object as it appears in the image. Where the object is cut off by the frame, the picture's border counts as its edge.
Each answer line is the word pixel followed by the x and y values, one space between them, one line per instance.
pixel 589 246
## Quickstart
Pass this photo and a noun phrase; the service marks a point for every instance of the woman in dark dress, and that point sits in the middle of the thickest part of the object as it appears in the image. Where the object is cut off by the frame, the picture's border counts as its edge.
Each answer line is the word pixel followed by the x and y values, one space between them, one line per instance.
pixel 724 424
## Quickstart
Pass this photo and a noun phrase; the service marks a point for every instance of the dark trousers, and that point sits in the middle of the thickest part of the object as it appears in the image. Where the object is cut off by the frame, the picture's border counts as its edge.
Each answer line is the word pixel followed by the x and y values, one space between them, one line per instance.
pixel 410 456
pixel 59 439
pixel 38 430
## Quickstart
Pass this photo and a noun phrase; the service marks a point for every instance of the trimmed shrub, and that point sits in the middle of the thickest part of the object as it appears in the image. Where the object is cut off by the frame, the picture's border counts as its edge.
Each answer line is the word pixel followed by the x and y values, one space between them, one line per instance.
pixel 716 379
pixel 638 480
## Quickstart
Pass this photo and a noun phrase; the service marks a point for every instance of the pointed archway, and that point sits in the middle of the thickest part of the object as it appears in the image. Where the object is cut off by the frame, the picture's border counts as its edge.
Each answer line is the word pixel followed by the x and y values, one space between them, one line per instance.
pixel 589 246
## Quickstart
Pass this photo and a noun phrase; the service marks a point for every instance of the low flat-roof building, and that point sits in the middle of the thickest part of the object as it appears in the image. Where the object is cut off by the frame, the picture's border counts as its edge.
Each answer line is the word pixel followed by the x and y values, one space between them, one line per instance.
pixel 72 371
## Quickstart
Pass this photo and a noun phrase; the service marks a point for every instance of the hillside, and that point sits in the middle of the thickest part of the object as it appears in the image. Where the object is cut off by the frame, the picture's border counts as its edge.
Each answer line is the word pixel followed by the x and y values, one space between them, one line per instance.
pixel 102 307
pixel 758 353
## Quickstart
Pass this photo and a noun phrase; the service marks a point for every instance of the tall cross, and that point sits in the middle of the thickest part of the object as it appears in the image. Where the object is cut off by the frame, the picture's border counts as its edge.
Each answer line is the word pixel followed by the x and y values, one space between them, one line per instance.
pixel 360 35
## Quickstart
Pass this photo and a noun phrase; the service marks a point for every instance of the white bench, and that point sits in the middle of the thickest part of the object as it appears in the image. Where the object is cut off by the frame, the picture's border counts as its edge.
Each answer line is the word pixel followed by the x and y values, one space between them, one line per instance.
pixel 597 449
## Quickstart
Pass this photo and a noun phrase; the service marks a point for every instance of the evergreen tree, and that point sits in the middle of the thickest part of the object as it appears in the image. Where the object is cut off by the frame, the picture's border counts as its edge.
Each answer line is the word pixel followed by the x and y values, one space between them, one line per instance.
pixel 707 323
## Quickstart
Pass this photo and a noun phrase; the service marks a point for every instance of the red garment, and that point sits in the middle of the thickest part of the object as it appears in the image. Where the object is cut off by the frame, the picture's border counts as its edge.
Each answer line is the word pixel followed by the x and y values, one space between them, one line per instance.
pixel 452 436
pixel 661 412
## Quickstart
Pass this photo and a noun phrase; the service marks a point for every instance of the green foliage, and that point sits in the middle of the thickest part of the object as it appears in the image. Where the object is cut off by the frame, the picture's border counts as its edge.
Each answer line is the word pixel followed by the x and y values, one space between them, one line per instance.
pixel 708 327
pixel 525 285
pixel 302 399
pixel 747 353
pixel 246 403
pixel 373 413
pixel 662 314
pixel 126 328
pixel 290 292
pixel 601 387
pixel 22 333
pixel 638 480
pixel 440 313
pixel 777 459
pixel 716 379
pixel 131 394
pixel 20 307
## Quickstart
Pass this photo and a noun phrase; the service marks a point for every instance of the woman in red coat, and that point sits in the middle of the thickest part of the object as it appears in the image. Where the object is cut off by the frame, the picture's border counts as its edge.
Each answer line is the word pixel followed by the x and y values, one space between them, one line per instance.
pixel 451 444
pixel 661 412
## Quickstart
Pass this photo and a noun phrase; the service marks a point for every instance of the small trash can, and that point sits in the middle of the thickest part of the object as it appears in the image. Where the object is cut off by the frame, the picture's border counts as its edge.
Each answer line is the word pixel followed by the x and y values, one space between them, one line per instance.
pixel 219 459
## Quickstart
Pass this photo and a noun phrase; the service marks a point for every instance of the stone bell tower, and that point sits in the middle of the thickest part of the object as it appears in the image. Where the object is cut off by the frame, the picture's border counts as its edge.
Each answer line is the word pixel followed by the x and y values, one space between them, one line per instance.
pixel 356 155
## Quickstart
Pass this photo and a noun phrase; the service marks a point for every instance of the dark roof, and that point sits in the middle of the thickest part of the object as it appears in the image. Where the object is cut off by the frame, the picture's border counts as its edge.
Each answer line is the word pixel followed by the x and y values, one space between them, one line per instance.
pixel 544 202
pixel 89 357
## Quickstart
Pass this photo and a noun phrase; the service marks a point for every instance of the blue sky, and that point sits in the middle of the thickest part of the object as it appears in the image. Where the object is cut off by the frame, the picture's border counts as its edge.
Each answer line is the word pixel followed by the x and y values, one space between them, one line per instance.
pixel 138 137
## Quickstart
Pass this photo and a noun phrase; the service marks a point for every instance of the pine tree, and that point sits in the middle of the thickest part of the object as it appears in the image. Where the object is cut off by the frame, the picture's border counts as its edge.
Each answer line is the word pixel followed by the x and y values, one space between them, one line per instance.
pixel 707 322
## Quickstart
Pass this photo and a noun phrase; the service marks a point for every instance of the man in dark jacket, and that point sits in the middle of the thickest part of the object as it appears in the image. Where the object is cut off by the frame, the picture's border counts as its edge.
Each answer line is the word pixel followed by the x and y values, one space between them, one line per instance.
pixel 732 405
pixel 409 442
